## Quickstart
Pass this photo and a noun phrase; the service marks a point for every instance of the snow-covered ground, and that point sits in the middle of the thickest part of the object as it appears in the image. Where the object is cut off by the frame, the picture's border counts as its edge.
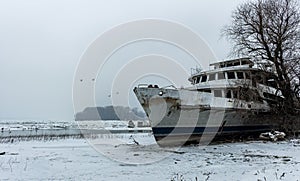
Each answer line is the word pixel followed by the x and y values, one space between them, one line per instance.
pixel 80 159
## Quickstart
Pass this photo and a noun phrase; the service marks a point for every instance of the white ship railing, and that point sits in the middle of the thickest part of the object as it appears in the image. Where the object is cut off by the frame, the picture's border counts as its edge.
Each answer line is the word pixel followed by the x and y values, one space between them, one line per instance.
pixel 147 86
pixel 195 71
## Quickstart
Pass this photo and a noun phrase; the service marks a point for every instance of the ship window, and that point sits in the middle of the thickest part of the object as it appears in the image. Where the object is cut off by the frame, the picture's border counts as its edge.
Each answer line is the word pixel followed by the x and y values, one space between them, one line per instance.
pixel 221 75
pixel 271 96
pixel 204 78
pixel 247 75
pixel 197 79
pixel 235 93
pixel 271 83
pixel 230 75
pixel 244 62
pixel 240 75
pixel 218 93
pixel 236 63
pixel 205 90
pixel 229 64
pixel 212 76
pixel 228 94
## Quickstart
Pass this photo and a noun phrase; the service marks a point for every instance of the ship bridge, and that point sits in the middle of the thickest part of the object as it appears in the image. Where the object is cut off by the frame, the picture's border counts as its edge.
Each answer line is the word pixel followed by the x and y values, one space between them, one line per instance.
pixel 245 62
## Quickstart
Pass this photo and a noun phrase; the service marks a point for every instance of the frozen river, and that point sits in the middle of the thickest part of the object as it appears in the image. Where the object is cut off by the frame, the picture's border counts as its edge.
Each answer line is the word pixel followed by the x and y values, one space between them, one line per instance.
pixel 20 129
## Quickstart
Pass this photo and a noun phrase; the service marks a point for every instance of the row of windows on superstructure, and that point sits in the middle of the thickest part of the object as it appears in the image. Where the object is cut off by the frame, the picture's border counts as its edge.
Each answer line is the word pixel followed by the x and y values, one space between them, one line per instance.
pixel 222 93
pixel 221 76
pixel 239 93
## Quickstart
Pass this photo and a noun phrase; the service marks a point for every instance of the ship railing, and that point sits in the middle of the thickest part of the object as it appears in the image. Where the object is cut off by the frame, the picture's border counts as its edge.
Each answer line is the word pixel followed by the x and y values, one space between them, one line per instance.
pixel 195 71
pixel 169 86
pixel 143 85
pixel 147 86
pixel 155 86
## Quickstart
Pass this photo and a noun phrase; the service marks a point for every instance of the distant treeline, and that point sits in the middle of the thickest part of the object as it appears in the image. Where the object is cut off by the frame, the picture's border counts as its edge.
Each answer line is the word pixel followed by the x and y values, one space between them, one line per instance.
pixel 110 113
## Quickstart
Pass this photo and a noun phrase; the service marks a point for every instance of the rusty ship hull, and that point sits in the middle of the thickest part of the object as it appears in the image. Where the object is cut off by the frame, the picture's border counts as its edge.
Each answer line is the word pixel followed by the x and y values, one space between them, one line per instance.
pixel 181 117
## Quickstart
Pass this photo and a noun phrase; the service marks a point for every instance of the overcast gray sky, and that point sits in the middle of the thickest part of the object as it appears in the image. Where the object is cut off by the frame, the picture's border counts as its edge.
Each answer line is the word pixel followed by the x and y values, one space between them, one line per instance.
pixel 41 42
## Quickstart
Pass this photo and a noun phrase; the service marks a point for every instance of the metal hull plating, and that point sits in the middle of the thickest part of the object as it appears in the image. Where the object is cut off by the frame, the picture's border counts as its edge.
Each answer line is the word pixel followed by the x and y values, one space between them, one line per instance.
pixel 182 116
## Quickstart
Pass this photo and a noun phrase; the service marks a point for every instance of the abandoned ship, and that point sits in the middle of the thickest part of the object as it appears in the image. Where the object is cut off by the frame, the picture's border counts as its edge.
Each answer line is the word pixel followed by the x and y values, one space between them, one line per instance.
pixel 234 97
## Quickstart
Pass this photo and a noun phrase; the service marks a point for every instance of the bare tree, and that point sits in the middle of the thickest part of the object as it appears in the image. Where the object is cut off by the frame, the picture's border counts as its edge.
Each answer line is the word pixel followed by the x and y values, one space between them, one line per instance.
pixel 269 30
